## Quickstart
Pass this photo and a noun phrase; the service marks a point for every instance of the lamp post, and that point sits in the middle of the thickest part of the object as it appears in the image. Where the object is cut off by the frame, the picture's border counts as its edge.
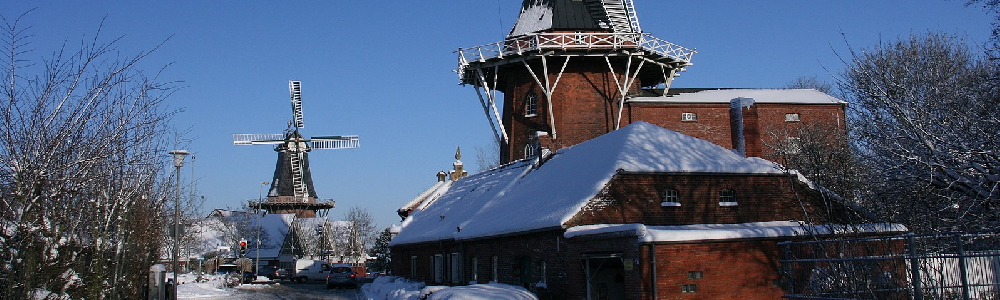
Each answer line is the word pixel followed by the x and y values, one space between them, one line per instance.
pixel 260 198
pixel 178 163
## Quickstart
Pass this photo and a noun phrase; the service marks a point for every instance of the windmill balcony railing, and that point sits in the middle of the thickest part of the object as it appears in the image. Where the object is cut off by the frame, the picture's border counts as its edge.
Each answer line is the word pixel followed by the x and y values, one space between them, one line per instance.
pixel 574 41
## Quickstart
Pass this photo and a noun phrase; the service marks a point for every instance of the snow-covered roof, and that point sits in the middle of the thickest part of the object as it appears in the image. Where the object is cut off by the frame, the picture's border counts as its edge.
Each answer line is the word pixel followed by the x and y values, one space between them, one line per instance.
pixel 791 96
pixel 534 17
pixel 517 197
pixel 426 197
pixel 276 227
pixel 705 232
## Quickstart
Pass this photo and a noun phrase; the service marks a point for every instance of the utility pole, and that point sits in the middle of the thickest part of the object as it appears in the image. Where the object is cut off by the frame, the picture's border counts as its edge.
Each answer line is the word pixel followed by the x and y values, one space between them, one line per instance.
pixel 260 215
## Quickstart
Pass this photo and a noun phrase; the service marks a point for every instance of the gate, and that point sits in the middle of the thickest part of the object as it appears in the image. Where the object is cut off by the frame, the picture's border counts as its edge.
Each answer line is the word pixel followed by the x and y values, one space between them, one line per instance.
pixel 942 266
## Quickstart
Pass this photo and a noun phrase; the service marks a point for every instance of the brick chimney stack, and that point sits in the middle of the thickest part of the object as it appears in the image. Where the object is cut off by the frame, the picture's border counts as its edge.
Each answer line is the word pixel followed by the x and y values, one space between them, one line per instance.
pixel 745 127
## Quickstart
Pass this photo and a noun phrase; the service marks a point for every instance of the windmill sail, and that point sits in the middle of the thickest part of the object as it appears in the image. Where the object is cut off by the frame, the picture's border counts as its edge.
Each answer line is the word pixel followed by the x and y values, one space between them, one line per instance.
pixel 295 90
pixel 292 189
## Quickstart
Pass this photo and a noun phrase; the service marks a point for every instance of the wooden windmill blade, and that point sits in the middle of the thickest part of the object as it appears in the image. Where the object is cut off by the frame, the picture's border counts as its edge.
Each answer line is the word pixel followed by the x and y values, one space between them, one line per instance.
pixel 258 139
pixel 295 91
pixel 335 142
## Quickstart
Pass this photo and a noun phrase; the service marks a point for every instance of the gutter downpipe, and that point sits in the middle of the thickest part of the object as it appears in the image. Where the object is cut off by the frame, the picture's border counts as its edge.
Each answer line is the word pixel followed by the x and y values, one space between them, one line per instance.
pixel 652 269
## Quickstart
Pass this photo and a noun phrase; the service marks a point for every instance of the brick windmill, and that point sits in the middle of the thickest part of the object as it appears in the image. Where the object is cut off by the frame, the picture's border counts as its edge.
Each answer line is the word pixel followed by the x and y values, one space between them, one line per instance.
pixel 566 69
pixel 292 188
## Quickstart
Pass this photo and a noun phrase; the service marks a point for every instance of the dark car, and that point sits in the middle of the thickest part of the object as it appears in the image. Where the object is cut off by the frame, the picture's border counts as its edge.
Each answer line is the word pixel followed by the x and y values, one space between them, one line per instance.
pixel 273 273
pixel 341 275
pixel 248 277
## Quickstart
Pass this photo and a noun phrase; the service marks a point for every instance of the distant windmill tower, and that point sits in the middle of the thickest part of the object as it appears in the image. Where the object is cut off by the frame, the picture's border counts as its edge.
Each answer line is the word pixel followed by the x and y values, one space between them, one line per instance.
pixel 566 69
pixel 292 188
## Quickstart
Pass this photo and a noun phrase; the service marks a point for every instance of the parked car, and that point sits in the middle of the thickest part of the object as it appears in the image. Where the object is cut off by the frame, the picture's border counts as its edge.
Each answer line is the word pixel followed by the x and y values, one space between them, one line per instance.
pixel 341 275
pixel 248 277
pixel 226 269
pixel 274 273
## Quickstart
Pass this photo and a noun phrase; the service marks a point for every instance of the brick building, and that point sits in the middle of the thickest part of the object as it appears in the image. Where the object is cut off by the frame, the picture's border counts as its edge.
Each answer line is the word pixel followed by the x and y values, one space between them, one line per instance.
pixel 612 185
pixel 639 213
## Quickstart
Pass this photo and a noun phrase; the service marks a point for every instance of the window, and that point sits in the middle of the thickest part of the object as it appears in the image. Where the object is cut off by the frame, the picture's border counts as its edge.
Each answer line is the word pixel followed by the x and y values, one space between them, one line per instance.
pixel 689 288
pixel 727 197
pixel 670 198
pixel 544 280
pixel 531 105
pixel 456 268
pixel 695 274
pixel 529 150
pixel 413 267
pixel 791 117
pixel 475 269
pixel 494 266
pixel 438 269
pixel 689 117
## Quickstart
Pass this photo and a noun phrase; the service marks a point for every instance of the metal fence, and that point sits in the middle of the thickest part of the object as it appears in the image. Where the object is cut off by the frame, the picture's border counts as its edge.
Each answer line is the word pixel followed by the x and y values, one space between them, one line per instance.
pixel 950 266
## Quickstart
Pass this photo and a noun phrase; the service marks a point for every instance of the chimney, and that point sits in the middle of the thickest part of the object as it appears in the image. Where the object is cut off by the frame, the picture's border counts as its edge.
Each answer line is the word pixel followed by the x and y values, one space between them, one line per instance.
pixel 743 122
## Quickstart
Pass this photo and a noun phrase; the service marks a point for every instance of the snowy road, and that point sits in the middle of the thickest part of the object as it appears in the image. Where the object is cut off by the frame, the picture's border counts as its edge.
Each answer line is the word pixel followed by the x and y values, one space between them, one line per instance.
pixel 282 291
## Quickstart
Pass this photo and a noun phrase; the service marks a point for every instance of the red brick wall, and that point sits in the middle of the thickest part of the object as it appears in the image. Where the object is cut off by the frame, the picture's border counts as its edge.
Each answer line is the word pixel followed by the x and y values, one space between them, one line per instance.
pixel 731 270
pixel 547 246
pixel 637 198
pixel 713 123
pixel 584 103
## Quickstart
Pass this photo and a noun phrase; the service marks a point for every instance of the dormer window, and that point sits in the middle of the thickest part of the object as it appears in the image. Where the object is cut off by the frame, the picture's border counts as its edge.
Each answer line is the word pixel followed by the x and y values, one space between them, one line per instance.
pixel 689 117
pixel 671 198
pixel 531 105
pixel 727 197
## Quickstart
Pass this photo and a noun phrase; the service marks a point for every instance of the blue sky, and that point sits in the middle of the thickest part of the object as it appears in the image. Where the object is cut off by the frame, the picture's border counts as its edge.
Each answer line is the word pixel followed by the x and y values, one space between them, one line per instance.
pixel 383 70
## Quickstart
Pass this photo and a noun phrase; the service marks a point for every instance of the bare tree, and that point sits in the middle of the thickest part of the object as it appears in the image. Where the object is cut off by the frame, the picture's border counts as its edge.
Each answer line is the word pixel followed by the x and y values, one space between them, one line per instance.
pixel 489 157
pixel 924 118
pixel 810 82
pixel 354 235
pixel 82 136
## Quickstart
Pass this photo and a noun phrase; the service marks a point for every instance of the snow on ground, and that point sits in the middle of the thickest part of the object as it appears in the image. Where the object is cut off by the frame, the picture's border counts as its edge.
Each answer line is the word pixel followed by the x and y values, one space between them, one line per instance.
pixel 393 288
pixel 191 289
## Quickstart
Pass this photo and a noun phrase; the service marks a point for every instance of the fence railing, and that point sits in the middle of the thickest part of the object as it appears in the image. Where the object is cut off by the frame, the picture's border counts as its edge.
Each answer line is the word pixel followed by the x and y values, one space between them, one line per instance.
pixel 952 266
pixel 521 45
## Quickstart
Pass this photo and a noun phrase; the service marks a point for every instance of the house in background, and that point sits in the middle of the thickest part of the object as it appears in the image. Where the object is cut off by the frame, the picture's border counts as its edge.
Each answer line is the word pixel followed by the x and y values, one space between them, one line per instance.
pixel 284 238
pixel 639 213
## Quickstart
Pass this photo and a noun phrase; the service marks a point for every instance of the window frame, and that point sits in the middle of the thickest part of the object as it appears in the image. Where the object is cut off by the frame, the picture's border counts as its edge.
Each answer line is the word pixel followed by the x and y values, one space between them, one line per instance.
pixel 689 117
pixel 793 117
pixel 494 266
pixel 727 197
pixel 670 198
pixel 531 104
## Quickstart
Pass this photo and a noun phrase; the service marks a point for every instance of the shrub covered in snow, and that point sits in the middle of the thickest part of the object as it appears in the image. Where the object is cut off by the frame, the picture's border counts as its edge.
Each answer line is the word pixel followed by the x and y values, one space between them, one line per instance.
pixel 392 287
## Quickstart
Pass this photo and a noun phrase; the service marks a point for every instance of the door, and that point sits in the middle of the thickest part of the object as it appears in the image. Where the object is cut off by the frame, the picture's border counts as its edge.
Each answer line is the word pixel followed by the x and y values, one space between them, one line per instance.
pixel 605 277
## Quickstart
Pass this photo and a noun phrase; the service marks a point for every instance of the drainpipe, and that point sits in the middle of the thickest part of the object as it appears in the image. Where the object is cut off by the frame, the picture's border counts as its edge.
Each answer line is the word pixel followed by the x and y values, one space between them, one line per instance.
pixel 652 269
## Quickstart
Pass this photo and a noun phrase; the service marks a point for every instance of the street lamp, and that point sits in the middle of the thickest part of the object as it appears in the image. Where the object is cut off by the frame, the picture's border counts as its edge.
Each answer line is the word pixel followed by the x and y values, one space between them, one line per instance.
pixel 260 198
pixel 178 163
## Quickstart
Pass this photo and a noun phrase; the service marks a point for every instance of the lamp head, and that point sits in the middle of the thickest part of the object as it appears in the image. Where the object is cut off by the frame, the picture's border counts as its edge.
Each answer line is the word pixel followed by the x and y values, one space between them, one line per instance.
pixel 179 157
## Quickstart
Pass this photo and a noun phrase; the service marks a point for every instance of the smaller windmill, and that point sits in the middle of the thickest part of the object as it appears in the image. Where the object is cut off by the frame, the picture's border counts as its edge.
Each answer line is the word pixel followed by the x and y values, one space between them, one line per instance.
pixel 292 189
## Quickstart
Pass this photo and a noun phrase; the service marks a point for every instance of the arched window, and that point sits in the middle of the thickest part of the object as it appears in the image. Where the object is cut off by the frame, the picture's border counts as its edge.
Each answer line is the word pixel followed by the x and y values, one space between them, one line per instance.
pixel 529 150
pixel 727 197
pixel 531 104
